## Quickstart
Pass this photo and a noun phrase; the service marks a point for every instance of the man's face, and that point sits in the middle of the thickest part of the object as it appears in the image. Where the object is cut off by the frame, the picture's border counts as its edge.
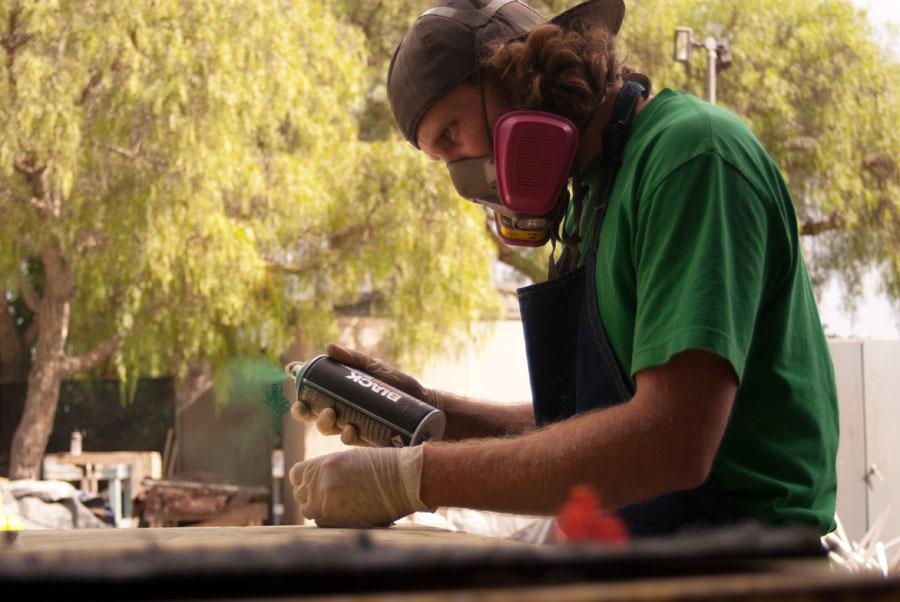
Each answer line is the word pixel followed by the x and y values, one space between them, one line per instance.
pixel 453 128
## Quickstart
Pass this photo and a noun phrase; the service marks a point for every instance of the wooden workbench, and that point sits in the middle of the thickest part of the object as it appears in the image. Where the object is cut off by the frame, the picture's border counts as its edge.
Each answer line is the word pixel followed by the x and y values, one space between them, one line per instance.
pixel 414 563
pixel 144 465
pixel 99 541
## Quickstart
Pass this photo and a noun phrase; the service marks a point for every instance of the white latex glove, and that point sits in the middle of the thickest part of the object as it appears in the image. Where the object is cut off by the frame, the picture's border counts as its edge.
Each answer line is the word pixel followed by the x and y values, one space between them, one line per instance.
pixel 326 420
pixel 366 487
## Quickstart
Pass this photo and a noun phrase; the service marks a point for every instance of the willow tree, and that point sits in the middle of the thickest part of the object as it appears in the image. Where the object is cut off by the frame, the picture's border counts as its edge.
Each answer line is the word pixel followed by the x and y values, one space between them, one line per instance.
pixel 813 84
pixel 178 180
pixel 400 245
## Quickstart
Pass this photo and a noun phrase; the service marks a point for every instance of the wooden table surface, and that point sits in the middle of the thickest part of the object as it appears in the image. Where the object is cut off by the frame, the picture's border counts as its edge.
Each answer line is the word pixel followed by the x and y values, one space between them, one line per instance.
pixel 774 579
pixel 97 540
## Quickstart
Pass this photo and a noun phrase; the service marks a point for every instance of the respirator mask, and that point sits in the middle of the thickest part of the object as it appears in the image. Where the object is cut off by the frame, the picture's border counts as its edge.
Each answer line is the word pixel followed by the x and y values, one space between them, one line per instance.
pixel 524 179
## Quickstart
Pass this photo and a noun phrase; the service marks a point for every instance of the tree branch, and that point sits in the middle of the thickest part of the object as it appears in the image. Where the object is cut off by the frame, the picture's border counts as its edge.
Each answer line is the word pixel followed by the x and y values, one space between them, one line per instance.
pixel 881 165
pixel 13 39
pixel 95 78
pixel 36 176
pixel 75 365
pixel 361 307
pixel 814 228
pixel 31 297
pixel 350 238
pixel 31 334
pixel 129 153
pixel 193 385
pixel 366 24
pixel 297 269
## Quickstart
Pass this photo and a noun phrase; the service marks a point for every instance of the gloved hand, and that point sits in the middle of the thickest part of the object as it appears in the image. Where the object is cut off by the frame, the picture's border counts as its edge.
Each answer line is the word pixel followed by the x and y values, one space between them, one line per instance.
pixel 326 420
pixel 361 487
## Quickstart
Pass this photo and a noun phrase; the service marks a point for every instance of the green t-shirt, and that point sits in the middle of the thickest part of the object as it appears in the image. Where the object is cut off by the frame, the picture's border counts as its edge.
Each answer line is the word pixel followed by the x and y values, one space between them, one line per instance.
pixel 699 250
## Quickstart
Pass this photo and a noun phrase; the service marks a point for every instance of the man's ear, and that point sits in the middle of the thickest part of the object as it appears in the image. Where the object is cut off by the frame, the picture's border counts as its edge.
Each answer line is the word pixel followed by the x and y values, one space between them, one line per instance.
pixel 498 100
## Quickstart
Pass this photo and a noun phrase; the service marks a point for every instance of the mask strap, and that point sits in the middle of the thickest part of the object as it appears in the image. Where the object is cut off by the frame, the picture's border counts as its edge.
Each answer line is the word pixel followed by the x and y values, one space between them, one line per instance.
pixel 572 242
pixel 484 115
pixel 571 251
pixel 574 239
pixel 552 266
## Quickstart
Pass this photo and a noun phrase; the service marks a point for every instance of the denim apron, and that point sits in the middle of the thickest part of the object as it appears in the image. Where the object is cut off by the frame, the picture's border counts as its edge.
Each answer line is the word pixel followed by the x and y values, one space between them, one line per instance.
pixel 572 367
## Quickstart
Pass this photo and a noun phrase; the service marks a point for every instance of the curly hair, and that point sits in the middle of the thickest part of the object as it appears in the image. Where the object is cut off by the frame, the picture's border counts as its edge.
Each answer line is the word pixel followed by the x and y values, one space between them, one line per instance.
pixel 566 71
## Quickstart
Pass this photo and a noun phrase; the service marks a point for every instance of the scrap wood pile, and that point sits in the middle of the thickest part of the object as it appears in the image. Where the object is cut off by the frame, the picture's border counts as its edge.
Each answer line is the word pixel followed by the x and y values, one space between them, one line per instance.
pixel 202 501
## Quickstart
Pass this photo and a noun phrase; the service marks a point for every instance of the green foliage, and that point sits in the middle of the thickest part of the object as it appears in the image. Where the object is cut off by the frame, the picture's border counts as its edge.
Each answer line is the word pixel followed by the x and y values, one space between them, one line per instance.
pixel 820 94
pixel 204 176
pixel 429 259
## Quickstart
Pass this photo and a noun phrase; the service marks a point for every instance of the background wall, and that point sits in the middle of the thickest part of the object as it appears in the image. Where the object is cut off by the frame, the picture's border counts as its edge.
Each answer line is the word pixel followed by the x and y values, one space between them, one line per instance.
pixel 868 378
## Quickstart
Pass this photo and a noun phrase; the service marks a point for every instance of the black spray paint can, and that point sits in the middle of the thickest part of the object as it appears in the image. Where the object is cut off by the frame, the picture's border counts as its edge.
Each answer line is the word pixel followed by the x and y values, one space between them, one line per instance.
pixel 383 416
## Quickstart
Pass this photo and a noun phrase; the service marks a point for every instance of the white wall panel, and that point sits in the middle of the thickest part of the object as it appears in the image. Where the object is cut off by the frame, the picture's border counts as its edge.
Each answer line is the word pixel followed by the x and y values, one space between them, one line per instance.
pixel 881 369
pixel 851 462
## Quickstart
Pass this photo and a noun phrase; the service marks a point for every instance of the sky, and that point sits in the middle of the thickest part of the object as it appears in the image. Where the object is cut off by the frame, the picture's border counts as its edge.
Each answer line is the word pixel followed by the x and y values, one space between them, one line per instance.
pixel 874 317
pixel 883 12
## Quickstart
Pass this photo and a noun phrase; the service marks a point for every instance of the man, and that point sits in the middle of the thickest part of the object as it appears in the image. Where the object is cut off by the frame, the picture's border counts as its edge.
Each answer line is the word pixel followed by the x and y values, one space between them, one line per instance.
pixel 677 361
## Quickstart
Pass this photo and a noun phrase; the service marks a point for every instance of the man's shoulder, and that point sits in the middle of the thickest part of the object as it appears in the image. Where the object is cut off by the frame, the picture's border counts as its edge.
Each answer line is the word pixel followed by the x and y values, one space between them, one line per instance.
pixel 679 128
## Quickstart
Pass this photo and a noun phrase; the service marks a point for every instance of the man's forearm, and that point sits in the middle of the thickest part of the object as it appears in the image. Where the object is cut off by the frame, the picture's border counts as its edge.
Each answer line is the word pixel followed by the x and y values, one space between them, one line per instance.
pixel 663 440
pixel 533 473
pixel 473 419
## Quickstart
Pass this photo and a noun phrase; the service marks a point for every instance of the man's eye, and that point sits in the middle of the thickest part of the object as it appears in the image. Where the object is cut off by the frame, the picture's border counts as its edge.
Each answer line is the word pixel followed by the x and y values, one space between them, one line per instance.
pixel 446 135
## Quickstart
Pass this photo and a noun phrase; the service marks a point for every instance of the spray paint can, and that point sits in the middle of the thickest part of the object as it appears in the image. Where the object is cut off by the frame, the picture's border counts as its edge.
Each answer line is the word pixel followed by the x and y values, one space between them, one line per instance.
pixel 383 416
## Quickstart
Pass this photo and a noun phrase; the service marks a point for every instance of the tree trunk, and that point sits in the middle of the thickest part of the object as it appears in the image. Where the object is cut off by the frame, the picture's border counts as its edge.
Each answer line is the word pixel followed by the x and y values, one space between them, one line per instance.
pixel 194 384
pixel 12 350
pixel 46 375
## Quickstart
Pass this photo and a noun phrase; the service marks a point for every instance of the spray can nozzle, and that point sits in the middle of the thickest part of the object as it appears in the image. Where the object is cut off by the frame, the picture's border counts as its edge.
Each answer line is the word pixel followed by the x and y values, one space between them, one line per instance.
pixel 293 369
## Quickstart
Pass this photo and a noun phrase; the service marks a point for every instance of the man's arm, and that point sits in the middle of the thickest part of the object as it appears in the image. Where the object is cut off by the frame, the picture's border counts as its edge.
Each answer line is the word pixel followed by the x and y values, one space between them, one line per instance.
pixel 663 440
pixel 472 419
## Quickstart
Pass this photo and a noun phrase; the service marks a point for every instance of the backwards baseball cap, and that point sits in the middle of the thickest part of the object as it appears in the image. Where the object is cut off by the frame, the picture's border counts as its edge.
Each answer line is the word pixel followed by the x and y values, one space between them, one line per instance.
pixel 442 46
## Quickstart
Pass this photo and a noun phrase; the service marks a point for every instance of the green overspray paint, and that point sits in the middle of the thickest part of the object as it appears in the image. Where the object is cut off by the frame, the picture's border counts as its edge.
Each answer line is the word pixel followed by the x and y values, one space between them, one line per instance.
pixel 256 379
pixel 278 405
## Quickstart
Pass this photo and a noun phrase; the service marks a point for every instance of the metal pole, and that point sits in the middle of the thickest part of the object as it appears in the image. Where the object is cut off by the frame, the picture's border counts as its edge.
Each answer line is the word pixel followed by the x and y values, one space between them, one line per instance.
pixel 711 56
pixel 277 476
